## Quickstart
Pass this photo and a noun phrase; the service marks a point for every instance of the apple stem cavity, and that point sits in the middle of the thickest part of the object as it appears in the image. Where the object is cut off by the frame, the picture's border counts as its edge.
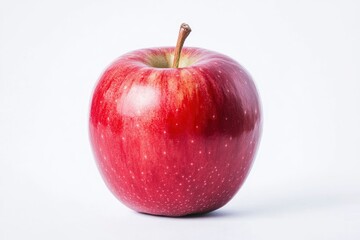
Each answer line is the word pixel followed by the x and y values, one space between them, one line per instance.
pixel 183 33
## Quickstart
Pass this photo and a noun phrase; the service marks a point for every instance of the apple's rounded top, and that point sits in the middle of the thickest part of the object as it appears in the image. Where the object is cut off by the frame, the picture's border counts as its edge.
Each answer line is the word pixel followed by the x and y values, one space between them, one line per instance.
pixel 173 57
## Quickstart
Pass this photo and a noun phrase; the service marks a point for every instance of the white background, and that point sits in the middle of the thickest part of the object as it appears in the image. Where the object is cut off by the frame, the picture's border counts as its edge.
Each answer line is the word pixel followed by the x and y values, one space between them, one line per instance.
pixel 303 55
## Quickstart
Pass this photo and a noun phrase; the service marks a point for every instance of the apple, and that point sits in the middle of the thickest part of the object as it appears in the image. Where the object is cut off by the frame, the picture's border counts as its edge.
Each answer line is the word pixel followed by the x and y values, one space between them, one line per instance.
pixel 174 131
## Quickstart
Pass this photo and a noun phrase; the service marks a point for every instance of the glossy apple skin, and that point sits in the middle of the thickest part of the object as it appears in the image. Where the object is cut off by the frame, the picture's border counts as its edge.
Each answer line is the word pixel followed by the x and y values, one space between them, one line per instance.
pixel 171 141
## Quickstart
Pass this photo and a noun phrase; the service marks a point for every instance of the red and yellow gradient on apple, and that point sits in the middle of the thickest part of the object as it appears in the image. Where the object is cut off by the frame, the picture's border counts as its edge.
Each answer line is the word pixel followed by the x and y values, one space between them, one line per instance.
pixel 179 140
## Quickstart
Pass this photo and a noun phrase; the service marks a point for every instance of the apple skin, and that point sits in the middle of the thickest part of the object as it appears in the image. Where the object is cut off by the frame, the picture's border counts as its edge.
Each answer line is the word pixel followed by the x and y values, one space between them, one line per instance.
pixel 174 141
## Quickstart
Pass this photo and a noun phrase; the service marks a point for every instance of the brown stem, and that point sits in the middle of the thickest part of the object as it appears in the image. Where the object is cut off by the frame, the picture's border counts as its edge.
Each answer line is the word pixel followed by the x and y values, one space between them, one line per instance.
pixel 183 33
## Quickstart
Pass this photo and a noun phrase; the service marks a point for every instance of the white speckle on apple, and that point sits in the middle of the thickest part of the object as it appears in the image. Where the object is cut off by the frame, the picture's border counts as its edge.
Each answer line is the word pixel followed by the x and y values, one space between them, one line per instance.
pixel 192 140
pixel 219 71
pixel 164 132
pixel 102 136
pixel 164 153
pixel 245 112
pixel 213 116
pixel 200 152
pixel 226 145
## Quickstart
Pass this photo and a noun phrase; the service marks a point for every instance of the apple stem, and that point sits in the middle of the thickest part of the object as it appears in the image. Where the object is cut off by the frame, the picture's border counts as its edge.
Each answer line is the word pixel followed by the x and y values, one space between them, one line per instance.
pixel 183 33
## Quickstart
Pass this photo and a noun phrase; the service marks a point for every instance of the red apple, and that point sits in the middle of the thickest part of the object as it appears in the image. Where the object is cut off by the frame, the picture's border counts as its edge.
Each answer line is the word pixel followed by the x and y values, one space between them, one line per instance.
pixel 175 141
